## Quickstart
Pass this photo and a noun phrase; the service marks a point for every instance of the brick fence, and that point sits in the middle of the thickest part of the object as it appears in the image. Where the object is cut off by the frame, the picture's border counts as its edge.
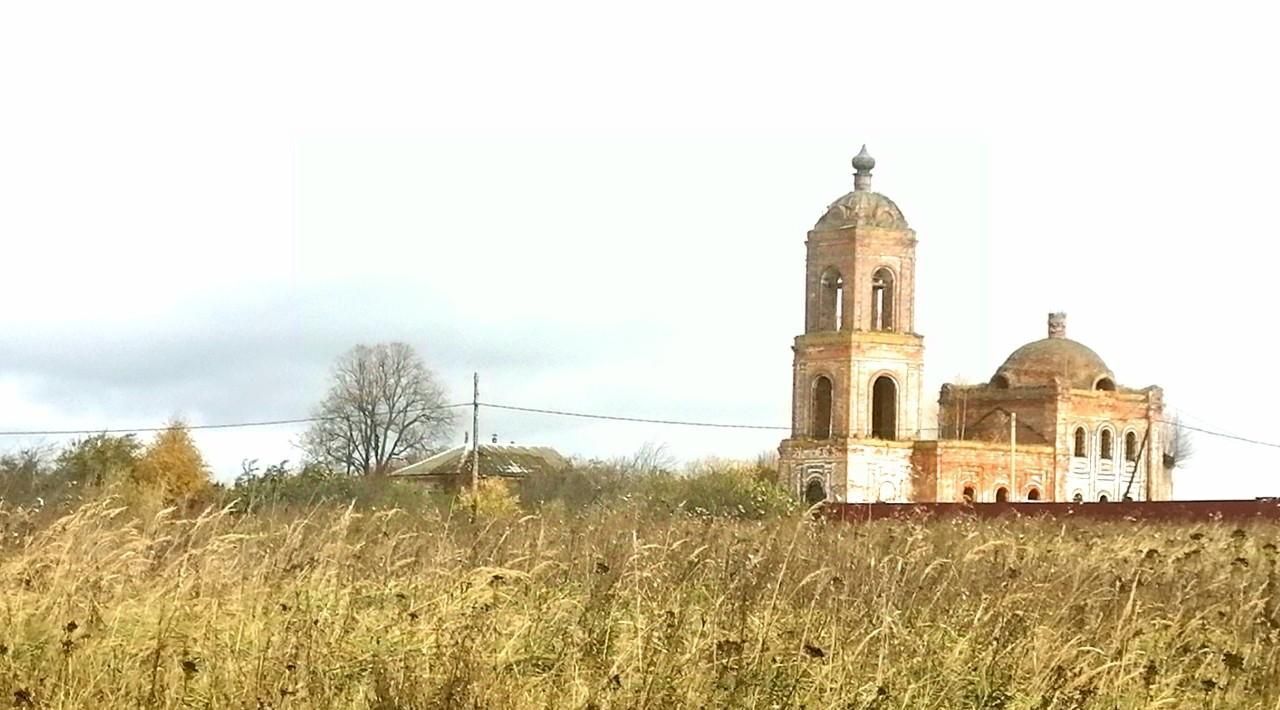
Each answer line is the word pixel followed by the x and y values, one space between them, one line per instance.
pixel 1190 510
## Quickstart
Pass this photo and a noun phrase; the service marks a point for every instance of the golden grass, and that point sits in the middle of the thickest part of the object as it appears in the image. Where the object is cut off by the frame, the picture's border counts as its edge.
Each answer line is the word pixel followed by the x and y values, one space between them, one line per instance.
pixel 392 609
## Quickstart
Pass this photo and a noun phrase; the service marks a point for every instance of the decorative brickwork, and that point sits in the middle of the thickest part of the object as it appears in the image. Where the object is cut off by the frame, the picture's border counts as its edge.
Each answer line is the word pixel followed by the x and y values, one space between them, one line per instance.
pixel 1051 425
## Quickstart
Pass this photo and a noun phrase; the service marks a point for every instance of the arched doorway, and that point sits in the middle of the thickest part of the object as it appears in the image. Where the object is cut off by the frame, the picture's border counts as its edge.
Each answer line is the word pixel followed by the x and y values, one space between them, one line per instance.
pixel 968 495
pixel 1033 494
pixel 821 425
pixel 1002 495
pixel 884 408
pixel 814 492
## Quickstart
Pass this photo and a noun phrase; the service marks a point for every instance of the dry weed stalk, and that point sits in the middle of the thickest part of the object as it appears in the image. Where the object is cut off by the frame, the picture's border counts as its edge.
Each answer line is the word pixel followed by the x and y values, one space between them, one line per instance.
pixel 339 608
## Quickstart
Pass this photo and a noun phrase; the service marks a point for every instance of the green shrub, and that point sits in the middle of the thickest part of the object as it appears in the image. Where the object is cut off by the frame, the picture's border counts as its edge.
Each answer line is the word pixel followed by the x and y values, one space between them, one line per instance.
pixel 580 486
pixel 279 486
pixel 28 480
pixel 710 487
pixel 717 493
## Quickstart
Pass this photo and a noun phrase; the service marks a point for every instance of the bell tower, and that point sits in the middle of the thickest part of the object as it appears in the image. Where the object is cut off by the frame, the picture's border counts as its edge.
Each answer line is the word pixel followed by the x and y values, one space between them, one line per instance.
pixel 858 367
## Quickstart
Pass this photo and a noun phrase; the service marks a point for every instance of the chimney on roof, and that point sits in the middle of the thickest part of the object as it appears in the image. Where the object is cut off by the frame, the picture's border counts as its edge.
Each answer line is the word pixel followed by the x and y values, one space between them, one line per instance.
pixel 1057 325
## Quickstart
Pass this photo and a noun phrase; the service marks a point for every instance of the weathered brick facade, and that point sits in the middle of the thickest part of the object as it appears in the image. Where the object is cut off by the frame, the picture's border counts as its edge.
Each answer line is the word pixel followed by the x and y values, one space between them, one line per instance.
pixel 1052 424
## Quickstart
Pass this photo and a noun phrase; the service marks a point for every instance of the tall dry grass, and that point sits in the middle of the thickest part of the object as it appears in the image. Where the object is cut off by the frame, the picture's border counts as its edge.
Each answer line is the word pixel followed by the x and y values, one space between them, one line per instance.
pixel 337 609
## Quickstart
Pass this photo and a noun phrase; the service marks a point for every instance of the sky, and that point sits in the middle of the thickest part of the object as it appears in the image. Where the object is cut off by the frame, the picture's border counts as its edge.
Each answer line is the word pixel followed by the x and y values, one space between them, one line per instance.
pixel 602 207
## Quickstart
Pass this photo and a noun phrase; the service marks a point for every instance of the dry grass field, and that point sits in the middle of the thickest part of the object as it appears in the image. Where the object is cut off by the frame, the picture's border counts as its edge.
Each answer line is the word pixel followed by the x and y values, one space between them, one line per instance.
pixel 330 608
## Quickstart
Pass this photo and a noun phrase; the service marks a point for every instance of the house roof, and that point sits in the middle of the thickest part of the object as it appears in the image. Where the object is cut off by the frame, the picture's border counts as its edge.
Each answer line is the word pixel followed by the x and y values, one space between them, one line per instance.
pixel 496 460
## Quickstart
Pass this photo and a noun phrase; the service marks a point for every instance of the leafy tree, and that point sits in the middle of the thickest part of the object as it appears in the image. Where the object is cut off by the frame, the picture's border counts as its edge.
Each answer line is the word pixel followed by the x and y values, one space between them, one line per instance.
pixel 384 406
pixel 25 477
pixel 172 465
pixel 99 459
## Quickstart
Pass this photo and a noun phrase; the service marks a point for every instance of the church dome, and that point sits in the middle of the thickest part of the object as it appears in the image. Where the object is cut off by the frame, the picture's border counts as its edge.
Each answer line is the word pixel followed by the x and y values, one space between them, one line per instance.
pixel 862 207
pixel 1055 359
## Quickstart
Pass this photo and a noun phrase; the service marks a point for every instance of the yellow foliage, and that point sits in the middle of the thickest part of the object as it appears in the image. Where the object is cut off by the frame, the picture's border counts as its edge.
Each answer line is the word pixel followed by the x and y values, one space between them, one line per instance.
pixel 493 499
pixel 172 466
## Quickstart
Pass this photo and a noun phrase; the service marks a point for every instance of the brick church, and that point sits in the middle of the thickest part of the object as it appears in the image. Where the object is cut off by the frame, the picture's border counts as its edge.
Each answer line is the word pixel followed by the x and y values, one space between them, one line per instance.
pixel 1051 424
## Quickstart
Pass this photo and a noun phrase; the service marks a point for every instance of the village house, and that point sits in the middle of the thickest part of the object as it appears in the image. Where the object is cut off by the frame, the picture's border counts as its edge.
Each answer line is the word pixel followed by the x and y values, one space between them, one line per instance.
pixel 451 469
pixel 1051 424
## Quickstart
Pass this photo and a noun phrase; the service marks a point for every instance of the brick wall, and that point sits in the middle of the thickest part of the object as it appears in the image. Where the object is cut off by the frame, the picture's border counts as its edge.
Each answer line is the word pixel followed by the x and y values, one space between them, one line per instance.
pixel 945 468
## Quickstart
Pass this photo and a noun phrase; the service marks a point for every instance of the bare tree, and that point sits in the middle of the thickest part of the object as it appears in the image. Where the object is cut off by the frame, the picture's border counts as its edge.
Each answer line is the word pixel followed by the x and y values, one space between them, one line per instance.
pixel 953 427
pixel 384 406
pixel 650 458
pixel 1176 442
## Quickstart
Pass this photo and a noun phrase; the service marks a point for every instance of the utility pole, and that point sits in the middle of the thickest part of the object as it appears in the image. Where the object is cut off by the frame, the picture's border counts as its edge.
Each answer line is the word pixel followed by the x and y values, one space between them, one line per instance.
pixel 475 435
pixel 1138 461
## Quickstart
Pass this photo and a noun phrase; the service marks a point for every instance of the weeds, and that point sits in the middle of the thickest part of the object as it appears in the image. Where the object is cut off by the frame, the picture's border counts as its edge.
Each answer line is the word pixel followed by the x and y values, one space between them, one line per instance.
pixel 335 607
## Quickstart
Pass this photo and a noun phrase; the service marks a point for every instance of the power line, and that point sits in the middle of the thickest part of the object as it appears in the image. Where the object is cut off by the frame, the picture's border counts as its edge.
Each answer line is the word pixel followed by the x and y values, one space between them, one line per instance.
pixel 228 425
pixel 534 410
pixel 1177 422
pixel 609 417
pixel 1224 435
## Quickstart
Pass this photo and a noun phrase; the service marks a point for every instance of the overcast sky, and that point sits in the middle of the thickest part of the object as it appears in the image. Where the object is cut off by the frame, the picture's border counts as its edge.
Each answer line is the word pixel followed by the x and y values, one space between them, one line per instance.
pixel 603 208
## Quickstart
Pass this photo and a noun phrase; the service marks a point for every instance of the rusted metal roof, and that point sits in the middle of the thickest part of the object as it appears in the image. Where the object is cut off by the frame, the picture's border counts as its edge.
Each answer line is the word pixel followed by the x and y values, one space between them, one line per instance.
pixel 496 461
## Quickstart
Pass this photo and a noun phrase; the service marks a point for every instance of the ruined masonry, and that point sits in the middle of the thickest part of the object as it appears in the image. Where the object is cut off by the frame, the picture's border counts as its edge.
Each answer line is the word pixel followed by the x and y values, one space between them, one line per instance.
pixel 1051 424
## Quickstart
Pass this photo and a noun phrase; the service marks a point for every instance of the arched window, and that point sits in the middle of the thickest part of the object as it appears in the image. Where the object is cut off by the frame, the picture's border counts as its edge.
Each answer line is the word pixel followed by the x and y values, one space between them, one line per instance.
pixel 884 408
pixel 1105 445
pixel 1130 446
pixel 1102 498
pixel 888 492
pixel 1105 384
pixel 1078 497
pixel 968 494
pixel 821 426
pixel 882 300
pixel 814 492
pixel 1002 495
pixel 1033 494
pixel 1079 450
pixel 1000 382
pixel 831 301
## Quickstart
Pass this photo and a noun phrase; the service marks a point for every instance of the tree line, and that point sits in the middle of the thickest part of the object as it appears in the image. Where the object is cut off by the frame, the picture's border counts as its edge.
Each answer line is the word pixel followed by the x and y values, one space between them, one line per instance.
pixel 384 408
